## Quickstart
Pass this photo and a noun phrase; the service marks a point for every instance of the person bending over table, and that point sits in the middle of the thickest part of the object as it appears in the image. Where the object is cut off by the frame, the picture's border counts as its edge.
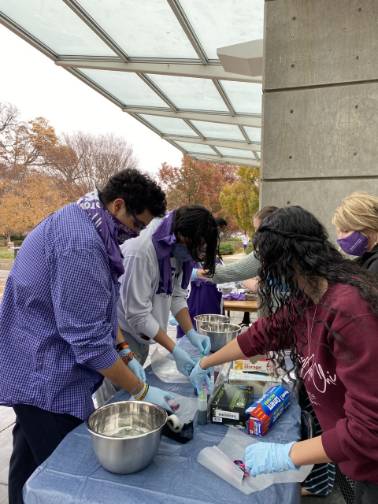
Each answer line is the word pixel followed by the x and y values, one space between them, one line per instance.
pixel 204 296
pixel 158 266
pixel 58 319
pixel 329 320
pixel 244 269
pixel 321 480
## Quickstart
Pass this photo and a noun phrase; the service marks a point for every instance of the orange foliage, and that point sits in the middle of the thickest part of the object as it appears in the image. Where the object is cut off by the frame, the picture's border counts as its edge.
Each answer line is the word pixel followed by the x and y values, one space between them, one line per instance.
pixel 196 182
pixel 40 172
pixel 25 204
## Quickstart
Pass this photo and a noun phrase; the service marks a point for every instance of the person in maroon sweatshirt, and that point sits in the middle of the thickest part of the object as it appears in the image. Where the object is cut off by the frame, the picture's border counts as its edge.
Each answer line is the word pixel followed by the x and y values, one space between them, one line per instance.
pixel 328 317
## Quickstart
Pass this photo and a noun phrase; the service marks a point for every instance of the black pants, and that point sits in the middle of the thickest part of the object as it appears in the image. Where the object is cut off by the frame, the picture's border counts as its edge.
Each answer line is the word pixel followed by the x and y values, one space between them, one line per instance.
pixel 36 434
pixel 357 492
pixel 366 493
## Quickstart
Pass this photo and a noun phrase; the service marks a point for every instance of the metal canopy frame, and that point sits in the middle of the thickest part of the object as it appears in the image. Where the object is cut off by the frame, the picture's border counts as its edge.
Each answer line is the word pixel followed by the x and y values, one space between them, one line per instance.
pixel 202 68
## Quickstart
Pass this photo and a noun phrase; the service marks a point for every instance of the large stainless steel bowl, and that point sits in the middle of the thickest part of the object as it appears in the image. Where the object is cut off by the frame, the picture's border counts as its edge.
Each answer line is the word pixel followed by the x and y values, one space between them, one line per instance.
pixel 126 434
pixel 219 333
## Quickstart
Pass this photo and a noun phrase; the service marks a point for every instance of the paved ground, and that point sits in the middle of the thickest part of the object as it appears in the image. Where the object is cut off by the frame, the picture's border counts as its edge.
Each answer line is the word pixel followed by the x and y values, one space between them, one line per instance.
pixel 3 279
pixel 7 421
pixel 6 424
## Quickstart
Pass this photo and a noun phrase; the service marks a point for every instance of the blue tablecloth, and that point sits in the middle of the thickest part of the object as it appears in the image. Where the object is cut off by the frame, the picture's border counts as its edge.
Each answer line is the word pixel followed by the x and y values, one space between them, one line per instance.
pixel 72 474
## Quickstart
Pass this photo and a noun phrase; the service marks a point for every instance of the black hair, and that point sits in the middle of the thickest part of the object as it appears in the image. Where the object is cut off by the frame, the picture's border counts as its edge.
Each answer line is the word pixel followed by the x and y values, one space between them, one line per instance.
pixel 292 241
pixel 138 191
pixel 221 222
pixel 265 211
pixel 198 226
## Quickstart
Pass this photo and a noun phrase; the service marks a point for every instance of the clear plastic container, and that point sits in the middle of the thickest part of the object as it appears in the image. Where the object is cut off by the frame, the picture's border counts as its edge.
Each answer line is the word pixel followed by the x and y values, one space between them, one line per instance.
pixel 202 406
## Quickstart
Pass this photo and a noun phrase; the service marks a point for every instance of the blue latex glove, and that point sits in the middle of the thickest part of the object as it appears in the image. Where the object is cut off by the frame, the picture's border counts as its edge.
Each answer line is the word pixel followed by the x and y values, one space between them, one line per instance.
pixel 262 458
pixel 194 275
pixel 200 378
pixel 184 362
pixel 134 365
pixel 199 341
pixel 160 397
pixel 172 321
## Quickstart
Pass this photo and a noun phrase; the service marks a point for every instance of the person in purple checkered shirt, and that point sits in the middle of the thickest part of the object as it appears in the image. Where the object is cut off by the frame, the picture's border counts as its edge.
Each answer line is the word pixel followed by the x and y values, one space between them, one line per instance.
pixel 58 321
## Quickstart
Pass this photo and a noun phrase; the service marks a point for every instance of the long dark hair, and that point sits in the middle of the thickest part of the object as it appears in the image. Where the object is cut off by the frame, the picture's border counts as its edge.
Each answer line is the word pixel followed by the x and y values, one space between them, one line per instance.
pixel 293 242
pixel 197 224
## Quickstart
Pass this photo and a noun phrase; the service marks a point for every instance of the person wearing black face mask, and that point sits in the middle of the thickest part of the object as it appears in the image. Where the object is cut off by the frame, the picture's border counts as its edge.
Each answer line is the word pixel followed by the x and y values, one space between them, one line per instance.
pixel 158 266
pixel 356 221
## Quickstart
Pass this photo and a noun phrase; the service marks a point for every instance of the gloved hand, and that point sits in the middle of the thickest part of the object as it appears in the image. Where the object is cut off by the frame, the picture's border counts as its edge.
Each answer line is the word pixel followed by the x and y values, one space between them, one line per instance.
pixel 156 396
pixel 262 458
pixel 172 321
pixel 200 378
pixel 184 362
pixel 133 364
pixel 194 276
pixel 199 341
pixel 160 397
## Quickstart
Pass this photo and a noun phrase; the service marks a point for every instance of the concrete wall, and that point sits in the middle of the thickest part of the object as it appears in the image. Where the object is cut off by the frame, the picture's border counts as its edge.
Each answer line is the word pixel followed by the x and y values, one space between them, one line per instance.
pixel 320 103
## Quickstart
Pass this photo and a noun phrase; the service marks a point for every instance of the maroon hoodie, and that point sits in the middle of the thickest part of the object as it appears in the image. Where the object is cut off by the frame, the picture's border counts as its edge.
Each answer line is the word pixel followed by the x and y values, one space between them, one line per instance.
pixel 338 344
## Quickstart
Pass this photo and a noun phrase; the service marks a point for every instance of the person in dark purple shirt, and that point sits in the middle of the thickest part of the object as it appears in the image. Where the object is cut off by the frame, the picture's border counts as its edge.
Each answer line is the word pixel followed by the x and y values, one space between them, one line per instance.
pixel 204 297
pixel 328 318
pixel 58 321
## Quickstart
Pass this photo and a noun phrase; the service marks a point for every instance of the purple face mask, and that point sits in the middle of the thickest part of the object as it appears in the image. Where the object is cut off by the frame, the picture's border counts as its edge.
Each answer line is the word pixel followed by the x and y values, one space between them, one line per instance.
pixel 354 244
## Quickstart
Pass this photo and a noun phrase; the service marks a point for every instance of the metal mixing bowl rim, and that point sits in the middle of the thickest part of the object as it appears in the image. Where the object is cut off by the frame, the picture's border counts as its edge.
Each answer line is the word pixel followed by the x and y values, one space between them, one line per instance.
pixel 105 406
pixel 236 326
pixel 198 317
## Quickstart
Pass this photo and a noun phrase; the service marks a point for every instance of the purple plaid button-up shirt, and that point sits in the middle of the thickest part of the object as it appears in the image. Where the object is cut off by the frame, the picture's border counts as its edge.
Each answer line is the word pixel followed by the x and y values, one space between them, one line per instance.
pixel 58 317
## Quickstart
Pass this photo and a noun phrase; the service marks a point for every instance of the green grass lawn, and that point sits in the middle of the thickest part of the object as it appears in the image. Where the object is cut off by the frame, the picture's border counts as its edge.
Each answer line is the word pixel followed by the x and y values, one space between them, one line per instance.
pixel 6 258
pixel 5 253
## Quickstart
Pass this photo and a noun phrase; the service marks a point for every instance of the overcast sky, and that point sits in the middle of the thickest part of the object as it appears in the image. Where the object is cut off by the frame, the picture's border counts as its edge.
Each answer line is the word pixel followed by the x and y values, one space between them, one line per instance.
pixel 38 87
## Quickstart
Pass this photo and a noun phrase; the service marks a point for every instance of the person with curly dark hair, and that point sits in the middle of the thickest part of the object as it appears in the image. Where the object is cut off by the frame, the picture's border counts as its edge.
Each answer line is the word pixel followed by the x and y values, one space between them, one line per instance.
pixel 158 266
pixel 328 318
pixel 58 320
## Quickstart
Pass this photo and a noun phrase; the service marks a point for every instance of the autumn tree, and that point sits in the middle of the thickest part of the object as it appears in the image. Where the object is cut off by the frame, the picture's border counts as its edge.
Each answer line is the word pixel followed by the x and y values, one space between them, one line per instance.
pixel 195 182
pixel 25 204
pixel 8 124
pixel 88 161
pixel 240 199
pixel 40 171
pixel 23 144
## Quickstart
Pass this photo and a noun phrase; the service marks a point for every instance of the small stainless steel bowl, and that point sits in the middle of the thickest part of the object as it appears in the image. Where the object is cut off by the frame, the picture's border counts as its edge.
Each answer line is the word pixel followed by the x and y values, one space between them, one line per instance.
pixel 209 317
pixel 126 434
pixel 219 333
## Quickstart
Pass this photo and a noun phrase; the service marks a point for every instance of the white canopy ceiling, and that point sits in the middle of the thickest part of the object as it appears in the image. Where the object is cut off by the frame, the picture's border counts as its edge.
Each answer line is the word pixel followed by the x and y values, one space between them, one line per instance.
pixel 157 60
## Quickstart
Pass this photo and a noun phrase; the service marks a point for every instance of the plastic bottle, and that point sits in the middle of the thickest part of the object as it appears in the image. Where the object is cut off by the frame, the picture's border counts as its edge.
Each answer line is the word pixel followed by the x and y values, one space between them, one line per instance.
pixel 202 407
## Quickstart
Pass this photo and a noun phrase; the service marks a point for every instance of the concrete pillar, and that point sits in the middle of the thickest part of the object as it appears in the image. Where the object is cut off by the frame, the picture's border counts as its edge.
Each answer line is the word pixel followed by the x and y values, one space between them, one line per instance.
pixel 320 103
